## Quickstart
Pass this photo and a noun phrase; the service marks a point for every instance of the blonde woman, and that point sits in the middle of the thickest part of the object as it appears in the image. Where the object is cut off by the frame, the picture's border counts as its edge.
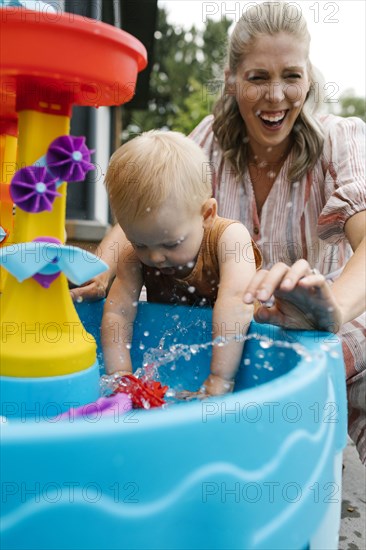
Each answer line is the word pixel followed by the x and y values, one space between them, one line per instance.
pixel 296 180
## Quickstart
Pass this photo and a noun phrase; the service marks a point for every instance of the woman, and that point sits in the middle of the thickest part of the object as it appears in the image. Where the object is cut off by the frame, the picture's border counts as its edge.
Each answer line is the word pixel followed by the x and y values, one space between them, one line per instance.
pixel 296 181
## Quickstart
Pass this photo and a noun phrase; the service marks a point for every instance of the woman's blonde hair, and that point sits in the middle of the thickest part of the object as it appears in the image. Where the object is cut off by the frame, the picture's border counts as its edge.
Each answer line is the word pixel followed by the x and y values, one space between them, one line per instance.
pixel 229 128
pixel 152 167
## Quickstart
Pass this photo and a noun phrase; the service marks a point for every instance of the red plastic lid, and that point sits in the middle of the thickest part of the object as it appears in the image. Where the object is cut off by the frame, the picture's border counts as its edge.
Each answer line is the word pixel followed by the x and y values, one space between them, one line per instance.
pixel 61 59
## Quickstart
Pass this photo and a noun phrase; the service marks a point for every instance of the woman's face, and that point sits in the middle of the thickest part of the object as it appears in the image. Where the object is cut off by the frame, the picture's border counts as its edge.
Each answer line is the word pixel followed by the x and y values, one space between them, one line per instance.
pixel 270 87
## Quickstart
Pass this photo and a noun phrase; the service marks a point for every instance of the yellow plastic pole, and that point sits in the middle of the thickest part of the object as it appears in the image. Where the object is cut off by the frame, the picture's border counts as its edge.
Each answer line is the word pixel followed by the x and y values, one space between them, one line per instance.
pixel 8 153
pixel 41 331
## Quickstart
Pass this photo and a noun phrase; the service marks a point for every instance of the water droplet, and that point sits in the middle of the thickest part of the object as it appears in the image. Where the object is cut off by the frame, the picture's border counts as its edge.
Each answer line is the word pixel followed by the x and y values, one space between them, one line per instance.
pixel 146 333
pixel 191 289
pixel 271 174
pixel 141 346
pixel 247 361
pixel 135 304
pixel 79 299
pixel 265 344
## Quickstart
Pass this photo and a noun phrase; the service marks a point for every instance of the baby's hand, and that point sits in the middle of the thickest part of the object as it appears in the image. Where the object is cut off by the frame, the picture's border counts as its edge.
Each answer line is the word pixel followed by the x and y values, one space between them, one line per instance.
pixel 215 385
pixel 187 395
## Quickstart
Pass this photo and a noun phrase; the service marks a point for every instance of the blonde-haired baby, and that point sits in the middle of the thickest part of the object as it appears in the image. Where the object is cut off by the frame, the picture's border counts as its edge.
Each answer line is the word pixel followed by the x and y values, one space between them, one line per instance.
pixel 160 191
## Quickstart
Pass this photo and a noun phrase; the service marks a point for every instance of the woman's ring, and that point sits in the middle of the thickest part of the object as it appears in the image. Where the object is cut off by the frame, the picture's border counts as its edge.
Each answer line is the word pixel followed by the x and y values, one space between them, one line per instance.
pixel 315 271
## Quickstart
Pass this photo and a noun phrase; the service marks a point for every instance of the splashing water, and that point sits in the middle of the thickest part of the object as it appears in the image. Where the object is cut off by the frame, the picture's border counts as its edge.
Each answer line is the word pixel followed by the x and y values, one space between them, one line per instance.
pixel 163 363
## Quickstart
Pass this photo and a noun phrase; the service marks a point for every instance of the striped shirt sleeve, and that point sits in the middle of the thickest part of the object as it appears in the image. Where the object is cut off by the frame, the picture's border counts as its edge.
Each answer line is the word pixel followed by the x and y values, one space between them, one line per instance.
pixel 345 182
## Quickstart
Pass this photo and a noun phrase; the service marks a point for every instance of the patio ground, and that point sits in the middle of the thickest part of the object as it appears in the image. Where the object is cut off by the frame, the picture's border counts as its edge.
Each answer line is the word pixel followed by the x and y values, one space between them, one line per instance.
pixel 353 524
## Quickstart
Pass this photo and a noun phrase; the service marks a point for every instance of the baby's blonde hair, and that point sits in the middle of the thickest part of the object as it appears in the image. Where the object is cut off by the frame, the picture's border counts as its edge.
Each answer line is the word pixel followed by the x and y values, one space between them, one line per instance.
pixel 157 165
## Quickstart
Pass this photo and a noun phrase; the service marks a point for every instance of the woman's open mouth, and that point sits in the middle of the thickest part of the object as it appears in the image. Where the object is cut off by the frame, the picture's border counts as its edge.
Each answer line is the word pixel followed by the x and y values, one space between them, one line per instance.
pixel 272 120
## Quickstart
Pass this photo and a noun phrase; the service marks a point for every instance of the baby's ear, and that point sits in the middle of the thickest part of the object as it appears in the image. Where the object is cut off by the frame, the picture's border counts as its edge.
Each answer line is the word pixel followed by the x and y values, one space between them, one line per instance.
pixel 209 212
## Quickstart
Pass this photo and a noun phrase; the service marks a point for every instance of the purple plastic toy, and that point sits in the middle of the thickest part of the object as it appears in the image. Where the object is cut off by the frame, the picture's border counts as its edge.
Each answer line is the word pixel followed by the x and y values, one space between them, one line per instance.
pixel 115 405
pixel 33 189
pixel 45 280
pixel 68 158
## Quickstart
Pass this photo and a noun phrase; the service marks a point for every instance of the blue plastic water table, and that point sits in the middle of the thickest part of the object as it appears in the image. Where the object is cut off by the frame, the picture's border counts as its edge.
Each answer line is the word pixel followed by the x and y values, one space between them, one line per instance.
pixel 257 469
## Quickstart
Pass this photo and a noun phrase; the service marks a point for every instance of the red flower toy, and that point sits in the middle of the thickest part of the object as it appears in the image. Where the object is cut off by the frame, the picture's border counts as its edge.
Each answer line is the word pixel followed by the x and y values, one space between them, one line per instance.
pixel 144 394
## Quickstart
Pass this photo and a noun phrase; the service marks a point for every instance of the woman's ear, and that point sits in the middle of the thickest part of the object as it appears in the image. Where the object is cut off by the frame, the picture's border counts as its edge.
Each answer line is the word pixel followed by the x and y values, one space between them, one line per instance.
pixel 230 82
pixel 209 212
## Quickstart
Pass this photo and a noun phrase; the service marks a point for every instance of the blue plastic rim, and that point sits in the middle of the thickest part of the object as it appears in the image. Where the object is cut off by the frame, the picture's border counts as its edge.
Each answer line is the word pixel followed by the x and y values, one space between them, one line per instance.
pixel 48 397
pixel 255 469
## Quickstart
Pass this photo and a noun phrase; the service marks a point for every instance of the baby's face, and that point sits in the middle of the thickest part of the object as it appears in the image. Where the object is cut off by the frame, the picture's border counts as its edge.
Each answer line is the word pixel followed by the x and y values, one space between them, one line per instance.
pixel 168 239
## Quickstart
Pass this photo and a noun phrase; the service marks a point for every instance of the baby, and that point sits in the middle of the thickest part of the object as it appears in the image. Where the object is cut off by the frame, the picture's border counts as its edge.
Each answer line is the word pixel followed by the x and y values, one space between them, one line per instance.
pixel 160 192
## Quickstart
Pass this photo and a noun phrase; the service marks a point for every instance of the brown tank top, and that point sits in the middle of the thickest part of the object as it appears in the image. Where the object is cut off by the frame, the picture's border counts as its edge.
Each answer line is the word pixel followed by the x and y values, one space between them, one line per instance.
pixel 200 287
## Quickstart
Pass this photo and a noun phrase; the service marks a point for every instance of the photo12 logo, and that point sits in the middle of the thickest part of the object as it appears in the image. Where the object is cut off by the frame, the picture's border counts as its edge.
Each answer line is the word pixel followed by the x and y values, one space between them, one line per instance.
pixel 53 492
pixel 318 12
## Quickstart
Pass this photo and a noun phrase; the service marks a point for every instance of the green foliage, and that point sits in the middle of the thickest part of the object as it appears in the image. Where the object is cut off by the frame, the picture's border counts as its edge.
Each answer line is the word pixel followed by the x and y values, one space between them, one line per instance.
pixel 185 79
pixel 351 105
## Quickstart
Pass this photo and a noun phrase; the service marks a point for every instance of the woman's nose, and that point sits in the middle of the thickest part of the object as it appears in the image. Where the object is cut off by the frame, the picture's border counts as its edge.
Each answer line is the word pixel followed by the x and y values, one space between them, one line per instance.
pixel 275 92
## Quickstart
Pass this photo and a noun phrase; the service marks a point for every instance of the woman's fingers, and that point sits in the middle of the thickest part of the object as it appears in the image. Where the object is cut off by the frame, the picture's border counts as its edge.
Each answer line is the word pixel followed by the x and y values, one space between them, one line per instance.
pixel 265 282
pixel 270 315
pixel 314 279
pixel 90 292
pixel 294 274
pixel 279 277
pixel 254 286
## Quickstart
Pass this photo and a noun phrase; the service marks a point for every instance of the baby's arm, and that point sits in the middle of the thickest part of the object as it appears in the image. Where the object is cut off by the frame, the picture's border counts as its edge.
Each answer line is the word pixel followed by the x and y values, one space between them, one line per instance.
pixel 231 317
pixel 119 313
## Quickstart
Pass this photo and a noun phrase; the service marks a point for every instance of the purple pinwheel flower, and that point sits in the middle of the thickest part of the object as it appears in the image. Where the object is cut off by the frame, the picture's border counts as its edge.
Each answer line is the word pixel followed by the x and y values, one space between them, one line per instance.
pixel 68 158
pixel 33 189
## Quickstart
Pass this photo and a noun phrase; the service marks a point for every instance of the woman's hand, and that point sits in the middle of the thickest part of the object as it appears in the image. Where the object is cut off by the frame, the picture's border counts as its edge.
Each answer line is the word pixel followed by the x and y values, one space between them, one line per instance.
pixel 93 290
pixel 302 298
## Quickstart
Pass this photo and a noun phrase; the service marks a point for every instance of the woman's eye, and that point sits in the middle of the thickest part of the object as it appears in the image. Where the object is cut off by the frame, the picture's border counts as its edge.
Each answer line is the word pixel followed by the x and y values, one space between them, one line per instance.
pixel 170 246
pixel 255 78
pixel 294 76
pixel 139 246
